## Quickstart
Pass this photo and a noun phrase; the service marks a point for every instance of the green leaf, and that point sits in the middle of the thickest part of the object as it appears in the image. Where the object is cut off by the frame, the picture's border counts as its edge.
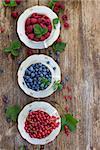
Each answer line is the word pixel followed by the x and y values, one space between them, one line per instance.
pixel 59 46
pixel 54 1
pixel 12 112
pixel 57 85
pixel 51 4
pixel 7 50
pixel 11 4
pixel 44 81
pixel 22 148
pixel 55 22
pixel 15 52
pixel 60 86
pixel 15 44
pixel 39 31
pixel 70 121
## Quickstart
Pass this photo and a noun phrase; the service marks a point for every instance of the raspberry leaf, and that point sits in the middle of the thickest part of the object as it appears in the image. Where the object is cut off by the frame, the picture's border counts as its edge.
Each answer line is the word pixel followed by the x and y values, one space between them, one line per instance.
pixel 55 22
pixel 70 121
pixel 59 46
pixel 7 50
pixel 11 4
pixel 39 31
pixel 57 85
pixel 15 52
pixel 50 5
pixel 44 81
pixel 13 49
pixel 22 148
pixel 15 44
pixel 12 112
pixel 54 1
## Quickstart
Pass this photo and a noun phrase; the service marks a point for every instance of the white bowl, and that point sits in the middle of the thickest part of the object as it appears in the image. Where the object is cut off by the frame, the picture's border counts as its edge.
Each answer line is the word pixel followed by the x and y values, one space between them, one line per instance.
pixel 56 75
pixel 21 27
pixel 44 106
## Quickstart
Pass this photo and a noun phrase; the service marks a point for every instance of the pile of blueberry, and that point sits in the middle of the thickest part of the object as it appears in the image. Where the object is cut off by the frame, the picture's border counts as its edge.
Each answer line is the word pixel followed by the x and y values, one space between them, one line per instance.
pixel 37 77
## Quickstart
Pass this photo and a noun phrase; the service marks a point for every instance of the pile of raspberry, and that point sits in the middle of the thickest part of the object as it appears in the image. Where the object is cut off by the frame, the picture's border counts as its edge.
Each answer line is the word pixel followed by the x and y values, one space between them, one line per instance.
pixel 40 19
pixel 40 124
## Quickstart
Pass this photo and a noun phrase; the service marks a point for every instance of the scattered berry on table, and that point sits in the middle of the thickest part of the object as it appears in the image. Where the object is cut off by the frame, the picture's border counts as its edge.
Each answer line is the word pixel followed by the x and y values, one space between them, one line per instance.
pixel 67 131
pixel 14 14
pixel 59 40
pixel 7 1
pixel 18 1
pixel 66 25
pixel 54 68
pixel 64 17
pixel 48 62
pixel 37 77
pixel 29 52
pixel 40 124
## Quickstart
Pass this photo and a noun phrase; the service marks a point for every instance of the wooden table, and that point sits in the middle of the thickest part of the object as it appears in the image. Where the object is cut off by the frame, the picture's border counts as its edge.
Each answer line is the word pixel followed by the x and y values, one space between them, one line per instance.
pixel 80 61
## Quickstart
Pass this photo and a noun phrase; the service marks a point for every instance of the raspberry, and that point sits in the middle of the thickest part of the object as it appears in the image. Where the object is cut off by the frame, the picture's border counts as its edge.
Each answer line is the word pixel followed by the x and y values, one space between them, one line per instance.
pixel 7 1
pixel 42 25
pixel 31 36
pixel 66 25
pixel 42 38
pixel 59 40
pixel 29 29
pixel 14 14
pixel 18 1
pixel 34 15
pixel 64 17
pixel 56 9
pixel 47 35
pixel 33 20
pixel 28 21
pixel 49 28
pixel 57 4
pixel 62 6
pixel 29 53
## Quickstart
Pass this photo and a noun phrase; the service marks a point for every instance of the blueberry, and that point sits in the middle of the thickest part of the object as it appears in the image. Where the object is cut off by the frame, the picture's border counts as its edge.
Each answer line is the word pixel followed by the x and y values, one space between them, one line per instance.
pixel 44 70
pixel 54 68
pixel 40 69
pixel 48 62
pixel 47 70
pixel 44 73
pixel 33 86
pixel 32 74
pixel 39 82
pixel 41 74
pixel 34 79
pixel 37 69
pixel 35 82
pixel 26 77
pixel 30 80
pixel 33 65
pixel 42 85
pixel 31 68
pixel 57 53
pixel 47 76
pixel 40 65
pixel 27 72
pixel 28 85
pixel 36 73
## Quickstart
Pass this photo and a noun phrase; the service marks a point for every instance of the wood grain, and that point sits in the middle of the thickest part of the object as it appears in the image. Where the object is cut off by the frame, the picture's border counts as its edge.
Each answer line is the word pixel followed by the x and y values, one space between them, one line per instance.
pixel 80 61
